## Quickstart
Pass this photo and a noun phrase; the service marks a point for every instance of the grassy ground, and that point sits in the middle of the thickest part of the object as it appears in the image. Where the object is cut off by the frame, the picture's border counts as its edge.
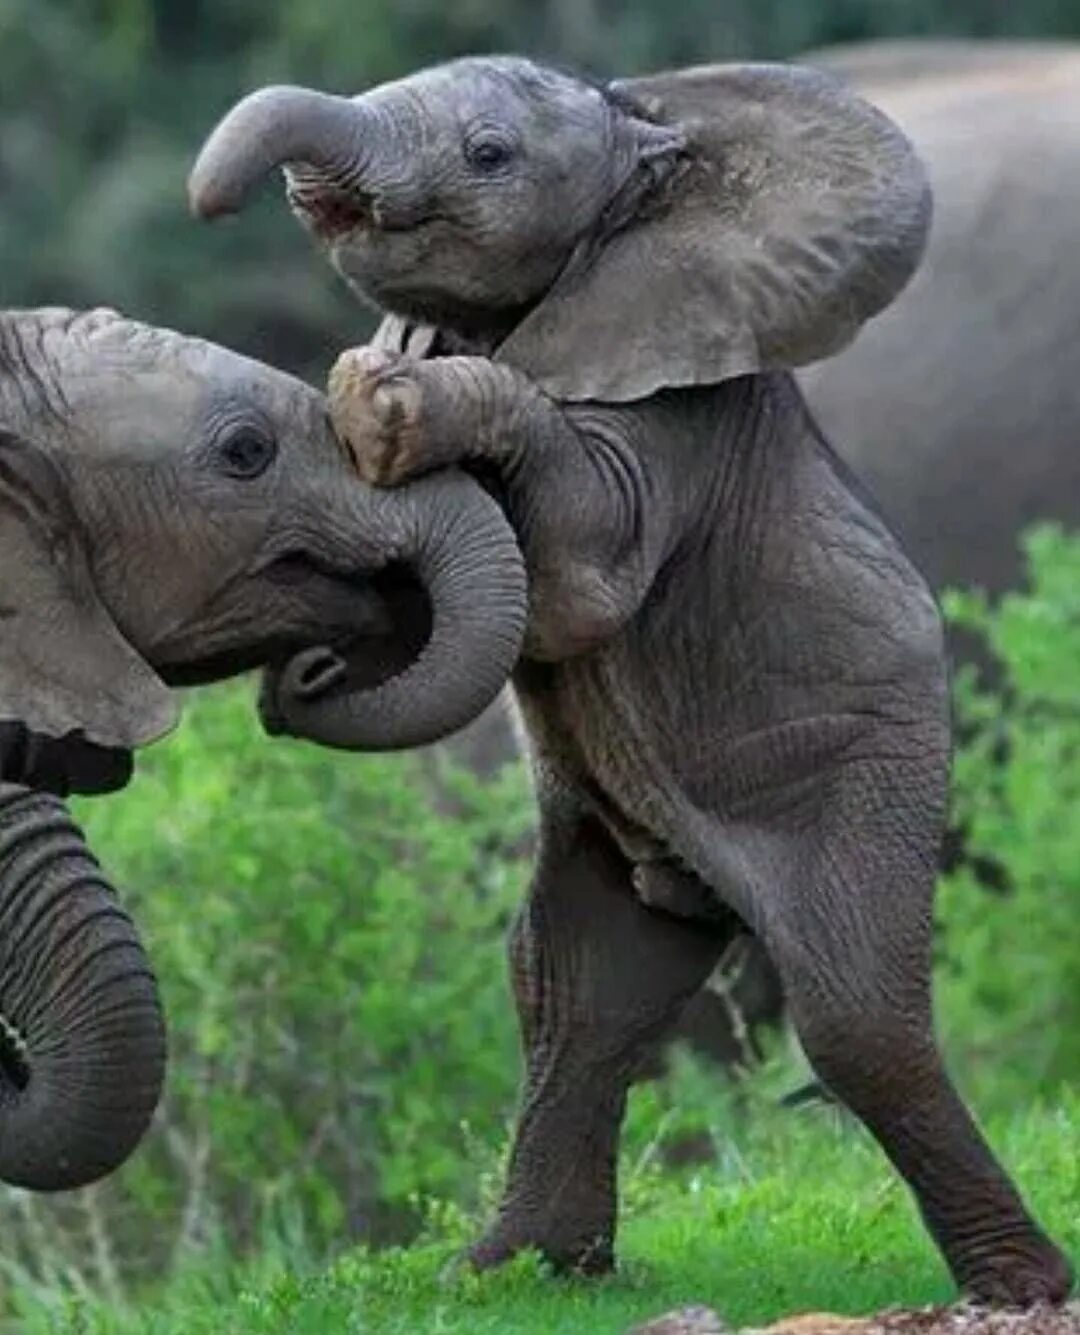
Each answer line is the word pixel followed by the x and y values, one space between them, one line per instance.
pixel 798 1213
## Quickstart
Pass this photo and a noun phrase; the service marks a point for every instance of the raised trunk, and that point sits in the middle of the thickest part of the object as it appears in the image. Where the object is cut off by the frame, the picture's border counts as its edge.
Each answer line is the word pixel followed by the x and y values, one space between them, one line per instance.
pixel 82 1042
pixel 268 129
pixel 466 557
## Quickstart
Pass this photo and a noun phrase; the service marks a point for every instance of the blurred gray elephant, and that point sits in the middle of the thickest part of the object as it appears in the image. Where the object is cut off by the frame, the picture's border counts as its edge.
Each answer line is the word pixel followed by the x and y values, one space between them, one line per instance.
pixel 960 406
pixel 170 513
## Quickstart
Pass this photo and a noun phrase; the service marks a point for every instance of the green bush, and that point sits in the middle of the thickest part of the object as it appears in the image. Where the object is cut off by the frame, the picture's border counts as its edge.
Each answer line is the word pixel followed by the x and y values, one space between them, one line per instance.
pixel 1009 974
pixel 328 932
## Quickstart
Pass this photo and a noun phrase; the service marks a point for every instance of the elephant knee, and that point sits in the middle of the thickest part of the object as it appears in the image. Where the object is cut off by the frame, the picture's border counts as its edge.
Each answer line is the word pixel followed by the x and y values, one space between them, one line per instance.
pixel 862 1049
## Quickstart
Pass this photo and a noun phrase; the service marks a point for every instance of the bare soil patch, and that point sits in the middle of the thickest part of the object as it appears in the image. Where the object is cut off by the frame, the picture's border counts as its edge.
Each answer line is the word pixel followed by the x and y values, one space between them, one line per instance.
pixel 929 1321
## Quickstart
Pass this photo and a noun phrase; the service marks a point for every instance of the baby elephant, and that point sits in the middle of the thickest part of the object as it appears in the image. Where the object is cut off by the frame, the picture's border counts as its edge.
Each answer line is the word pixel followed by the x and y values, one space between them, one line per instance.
pixel 171 512
pixel 733 680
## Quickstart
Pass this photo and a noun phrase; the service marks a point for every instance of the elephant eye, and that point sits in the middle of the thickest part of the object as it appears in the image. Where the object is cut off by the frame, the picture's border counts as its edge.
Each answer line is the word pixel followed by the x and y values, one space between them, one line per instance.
pixel 246 453
pixel 488 152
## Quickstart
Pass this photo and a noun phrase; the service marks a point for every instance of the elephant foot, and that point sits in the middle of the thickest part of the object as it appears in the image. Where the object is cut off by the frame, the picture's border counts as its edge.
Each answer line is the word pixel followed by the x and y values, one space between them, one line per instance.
pixel 579 1253
pixel 377 408
pixel 1025 1272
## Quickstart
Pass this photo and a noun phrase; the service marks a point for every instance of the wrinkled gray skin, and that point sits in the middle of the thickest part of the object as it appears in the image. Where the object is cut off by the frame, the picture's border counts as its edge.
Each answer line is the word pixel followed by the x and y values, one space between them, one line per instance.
pixel 734 684
pixel 170 513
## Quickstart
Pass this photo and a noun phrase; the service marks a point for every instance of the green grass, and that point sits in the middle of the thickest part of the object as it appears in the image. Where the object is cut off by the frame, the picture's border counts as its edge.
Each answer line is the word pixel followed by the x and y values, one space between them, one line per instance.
pixel 799 1212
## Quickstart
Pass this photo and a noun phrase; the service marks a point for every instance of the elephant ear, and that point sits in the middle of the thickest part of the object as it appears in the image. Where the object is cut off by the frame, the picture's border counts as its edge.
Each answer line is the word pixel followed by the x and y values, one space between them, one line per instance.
pixel 66 672
pixel 800 212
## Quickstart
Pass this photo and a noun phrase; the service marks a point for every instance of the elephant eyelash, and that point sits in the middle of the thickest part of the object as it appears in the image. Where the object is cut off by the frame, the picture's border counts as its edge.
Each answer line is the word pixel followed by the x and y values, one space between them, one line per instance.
pixel 488 151
pixel 245 454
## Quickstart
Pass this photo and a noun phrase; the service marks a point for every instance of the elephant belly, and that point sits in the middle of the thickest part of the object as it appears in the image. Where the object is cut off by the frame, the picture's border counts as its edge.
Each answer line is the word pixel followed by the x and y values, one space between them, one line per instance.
pixel 587 728
pixel 713 785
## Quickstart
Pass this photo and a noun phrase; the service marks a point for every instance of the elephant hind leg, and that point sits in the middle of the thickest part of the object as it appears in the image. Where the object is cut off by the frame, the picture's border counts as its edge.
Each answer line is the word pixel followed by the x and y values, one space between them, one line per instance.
pixel 598 980
pixel 849 926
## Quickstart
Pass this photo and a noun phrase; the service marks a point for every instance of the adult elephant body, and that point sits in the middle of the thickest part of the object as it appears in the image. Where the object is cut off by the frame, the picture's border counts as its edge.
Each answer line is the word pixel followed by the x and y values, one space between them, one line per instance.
pixel 733 679
pixel 172 513
pixel 960 406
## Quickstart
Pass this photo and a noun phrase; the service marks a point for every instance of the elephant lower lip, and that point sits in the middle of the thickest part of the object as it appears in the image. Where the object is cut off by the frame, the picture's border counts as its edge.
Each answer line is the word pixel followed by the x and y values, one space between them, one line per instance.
pixel 331 216
pixel 368 659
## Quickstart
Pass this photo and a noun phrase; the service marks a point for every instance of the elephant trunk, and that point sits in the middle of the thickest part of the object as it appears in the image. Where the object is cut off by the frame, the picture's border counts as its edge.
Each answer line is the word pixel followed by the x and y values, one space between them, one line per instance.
pixel 268 129
pixel 82 1042
pixel 465 555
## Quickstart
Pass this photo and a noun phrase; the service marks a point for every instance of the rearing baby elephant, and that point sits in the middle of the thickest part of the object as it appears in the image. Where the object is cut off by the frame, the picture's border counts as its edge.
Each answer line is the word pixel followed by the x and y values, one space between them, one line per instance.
pixel 171 512
pixel 734 680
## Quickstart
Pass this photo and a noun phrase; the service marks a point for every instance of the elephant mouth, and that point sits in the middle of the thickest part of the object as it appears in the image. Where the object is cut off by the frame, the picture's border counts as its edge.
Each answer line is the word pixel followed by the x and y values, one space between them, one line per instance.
pixel 335 215
pixel 361 662
pixel 323 604
pixel 328 212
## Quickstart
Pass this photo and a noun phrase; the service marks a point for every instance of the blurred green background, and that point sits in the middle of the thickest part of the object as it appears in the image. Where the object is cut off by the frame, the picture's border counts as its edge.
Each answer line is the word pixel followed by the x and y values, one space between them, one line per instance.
pixel 328 929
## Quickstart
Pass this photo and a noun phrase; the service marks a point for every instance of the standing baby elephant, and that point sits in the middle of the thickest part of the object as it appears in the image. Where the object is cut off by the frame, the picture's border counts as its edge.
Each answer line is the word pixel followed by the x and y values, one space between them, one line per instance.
pixel 734 681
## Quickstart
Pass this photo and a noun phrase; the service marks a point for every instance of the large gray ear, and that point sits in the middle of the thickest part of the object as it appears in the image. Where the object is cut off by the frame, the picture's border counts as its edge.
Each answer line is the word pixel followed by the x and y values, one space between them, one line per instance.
pixel 801 212
pixel 65 669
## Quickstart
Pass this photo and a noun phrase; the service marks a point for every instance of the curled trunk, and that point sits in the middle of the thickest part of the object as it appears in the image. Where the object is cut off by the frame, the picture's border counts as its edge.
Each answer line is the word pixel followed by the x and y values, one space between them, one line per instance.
pixel 466 558
pixel 82 1042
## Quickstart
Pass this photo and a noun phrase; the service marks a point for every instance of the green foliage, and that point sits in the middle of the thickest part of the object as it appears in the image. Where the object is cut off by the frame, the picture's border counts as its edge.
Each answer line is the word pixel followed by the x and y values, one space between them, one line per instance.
pixel 328 931
pixel 807 1216
pixel 1010 968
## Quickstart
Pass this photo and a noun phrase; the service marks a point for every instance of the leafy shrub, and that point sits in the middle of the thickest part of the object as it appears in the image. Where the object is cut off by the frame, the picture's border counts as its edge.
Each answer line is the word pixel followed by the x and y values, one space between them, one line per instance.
pixel 1009 976
pixel 328 933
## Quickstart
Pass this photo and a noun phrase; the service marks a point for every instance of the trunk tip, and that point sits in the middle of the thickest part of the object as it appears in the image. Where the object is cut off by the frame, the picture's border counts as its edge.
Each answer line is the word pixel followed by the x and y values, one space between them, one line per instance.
pixel 209 199
pixel 247 143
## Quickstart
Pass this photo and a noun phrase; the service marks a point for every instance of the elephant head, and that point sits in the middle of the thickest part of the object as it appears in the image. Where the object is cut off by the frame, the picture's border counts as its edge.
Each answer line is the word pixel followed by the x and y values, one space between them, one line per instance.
pixel 723 220
pixel 171 512
pixel 175 512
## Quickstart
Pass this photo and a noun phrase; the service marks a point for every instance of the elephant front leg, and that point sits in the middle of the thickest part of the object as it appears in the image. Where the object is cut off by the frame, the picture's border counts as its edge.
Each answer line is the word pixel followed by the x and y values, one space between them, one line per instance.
pixel 598 981
pixel 593 527
pixel 378 409
pixel 402 417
